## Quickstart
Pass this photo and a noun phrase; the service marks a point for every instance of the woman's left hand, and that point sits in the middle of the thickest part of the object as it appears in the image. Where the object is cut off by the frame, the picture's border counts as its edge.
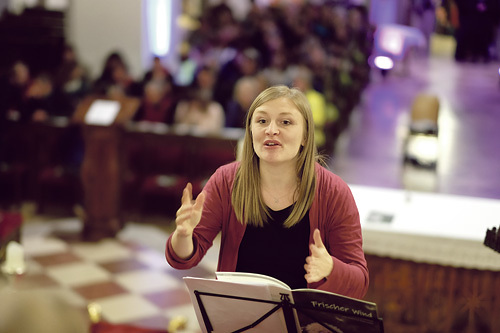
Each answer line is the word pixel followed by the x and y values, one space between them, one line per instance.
pixel 319 264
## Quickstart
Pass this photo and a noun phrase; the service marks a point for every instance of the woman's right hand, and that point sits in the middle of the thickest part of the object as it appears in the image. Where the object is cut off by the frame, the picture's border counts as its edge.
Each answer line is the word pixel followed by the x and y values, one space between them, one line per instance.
pixel 189 215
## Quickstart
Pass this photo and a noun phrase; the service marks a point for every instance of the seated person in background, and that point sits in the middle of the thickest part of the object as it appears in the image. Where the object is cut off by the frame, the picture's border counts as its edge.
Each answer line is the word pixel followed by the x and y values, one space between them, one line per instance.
pixel 185 73
pixel 245 91
pixel 279 212
pixel 71 83
pixel 115 80
pixel 279 72
pixel 158 103
pixel 245 63
pixel 198 112
pixel 158 72
pixel 199 115
pixel 204 82
pixel 14 91
pixel 303 81
pixel 39 99
pixel 101 84
pixel 123 84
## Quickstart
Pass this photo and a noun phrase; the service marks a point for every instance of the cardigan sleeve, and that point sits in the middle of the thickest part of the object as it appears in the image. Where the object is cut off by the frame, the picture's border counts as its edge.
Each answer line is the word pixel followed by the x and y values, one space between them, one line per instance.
pixel 339 224
pixel 214 213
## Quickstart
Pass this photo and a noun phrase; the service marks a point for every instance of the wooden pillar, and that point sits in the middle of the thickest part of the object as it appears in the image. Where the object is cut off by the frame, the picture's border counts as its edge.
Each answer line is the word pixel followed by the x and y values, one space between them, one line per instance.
pixel 101 181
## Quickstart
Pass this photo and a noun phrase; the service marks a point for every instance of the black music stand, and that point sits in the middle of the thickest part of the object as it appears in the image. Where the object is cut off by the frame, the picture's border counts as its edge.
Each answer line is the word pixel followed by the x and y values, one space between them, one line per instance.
pixel 316 316
pixel 284 304
pixel 225 306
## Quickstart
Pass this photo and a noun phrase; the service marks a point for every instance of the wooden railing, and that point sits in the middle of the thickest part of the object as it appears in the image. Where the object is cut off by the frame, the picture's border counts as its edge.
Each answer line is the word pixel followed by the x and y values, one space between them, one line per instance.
pixel 146 167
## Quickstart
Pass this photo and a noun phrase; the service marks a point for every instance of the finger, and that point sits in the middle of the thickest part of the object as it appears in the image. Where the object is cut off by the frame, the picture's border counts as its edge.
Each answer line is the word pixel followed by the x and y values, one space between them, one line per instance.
pixel 200 200
pixel 315 250
pixel 184 211
pixel 183 218
pixel 310 278
pixel 187 194
pixel 181 210
pixel 317 239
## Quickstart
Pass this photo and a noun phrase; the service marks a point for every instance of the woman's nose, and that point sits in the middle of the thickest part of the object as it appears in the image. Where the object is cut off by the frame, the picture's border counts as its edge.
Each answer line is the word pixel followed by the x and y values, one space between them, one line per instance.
pixel 272 129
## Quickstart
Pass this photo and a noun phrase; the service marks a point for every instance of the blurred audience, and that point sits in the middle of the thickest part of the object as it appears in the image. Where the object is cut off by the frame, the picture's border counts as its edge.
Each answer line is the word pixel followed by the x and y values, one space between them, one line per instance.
pixel 199 116
pixel 279 71
pixel 223 62
pixel 115 80
pixel 158 103
pixel 71 83
pixel 184 75
pixel 245 91
pixel 158 72
pixel 245 63
pixel 303 81
pixel 27 99
pixel 16 86
pixel 39 99
pixel 198 112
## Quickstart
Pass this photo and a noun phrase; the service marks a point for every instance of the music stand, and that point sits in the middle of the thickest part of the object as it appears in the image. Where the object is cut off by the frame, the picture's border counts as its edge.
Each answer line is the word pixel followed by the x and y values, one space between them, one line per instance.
pixel 223 306
pixel 284 304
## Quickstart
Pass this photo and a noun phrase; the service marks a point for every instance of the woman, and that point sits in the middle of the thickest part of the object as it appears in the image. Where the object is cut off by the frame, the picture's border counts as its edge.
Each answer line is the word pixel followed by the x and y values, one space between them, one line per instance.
pixel 158 103
pixel 279 211
pixel 199 113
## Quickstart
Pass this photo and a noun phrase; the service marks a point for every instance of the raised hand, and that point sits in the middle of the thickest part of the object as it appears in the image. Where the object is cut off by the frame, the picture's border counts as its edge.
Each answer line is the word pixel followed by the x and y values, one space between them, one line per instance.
pixel 189 215
pixel 187 218
pixel 319 264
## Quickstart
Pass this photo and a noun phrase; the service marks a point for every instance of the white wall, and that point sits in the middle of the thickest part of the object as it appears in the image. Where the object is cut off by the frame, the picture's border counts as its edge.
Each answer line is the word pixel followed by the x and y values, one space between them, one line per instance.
pixel 97 27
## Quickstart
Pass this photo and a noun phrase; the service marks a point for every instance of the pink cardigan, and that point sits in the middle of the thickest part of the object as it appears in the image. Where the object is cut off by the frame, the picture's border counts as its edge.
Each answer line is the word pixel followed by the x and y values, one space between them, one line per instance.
pixel 333 211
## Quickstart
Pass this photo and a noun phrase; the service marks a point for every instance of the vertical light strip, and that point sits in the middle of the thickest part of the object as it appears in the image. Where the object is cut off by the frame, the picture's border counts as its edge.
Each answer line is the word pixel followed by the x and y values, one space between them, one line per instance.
pixel 159 23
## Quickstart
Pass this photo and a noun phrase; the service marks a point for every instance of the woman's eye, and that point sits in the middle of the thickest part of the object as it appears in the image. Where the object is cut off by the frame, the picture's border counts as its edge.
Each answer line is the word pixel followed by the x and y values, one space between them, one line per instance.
pixel 261 121
pixel 286 122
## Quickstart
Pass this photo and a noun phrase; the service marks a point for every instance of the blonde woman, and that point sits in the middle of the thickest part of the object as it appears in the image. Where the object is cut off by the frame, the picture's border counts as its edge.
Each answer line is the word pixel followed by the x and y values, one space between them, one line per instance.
pixel 280 212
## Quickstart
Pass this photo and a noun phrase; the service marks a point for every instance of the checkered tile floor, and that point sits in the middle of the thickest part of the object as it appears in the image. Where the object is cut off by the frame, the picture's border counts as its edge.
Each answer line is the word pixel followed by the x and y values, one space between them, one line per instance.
pixel 127 276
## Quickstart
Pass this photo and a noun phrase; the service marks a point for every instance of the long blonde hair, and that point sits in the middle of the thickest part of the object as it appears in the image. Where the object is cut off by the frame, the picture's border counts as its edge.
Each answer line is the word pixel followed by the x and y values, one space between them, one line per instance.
pixel 246 198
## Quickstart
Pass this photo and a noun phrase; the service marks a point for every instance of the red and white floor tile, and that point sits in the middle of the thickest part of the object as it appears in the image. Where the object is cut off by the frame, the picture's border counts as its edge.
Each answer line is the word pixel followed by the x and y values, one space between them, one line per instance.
pixel 128 277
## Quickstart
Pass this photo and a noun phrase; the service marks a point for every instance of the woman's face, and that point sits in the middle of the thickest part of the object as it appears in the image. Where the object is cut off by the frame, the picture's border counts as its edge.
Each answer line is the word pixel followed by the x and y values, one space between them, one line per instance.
pixel 278 131
pixel 206 79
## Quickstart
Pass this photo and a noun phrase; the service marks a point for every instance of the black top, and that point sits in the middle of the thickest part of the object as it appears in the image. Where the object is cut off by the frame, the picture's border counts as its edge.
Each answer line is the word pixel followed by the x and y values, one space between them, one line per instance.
pixel 276 251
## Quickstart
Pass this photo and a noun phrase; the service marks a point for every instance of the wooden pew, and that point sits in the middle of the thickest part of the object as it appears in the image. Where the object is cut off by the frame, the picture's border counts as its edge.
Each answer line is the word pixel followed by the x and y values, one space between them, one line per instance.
pixel 159 161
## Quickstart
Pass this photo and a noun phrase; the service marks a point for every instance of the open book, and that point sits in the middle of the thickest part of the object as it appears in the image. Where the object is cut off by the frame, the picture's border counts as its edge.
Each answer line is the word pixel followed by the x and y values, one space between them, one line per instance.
pixel 247 302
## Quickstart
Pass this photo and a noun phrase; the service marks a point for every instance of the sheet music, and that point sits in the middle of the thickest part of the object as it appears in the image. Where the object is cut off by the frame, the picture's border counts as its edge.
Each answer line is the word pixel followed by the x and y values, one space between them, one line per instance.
pixel 229 315
pixel 250 278
pixel 237 300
